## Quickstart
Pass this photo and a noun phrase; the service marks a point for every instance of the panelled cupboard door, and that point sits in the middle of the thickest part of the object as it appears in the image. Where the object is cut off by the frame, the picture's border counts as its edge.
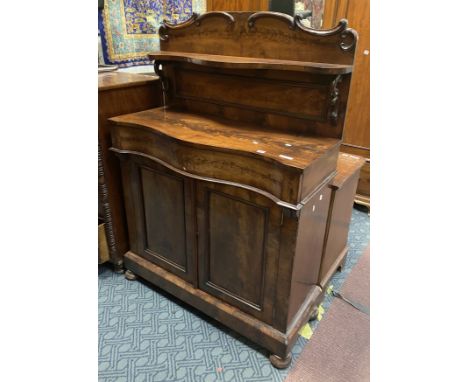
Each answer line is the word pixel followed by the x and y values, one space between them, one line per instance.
pixel 238 247
pixel 163 214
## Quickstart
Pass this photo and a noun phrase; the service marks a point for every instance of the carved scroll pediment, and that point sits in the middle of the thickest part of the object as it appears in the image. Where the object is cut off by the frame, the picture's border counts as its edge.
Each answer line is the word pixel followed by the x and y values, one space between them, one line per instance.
pixel 348 35
pixel 261 34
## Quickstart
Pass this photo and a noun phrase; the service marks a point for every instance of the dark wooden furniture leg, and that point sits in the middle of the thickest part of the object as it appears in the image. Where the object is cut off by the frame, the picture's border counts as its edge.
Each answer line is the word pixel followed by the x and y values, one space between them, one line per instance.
pixel 129 275
pixel 280 363
pixel 343 263
pixel 313 313
pixel 118 266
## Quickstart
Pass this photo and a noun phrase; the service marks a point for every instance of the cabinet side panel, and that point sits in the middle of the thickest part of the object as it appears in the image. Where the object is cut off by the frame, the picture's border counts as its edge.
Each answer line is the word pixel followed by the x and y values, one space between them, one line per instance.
pixel 339 224
pixel 309 247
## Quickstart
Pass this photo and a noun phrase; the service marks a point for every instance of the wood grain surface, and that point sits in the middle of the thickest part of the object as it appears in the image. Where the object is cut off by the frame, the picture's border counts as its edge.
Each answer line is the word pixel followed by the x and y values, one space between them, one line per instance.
pixel 119 93
pixel 236 62
pixel 120 80
pixel 217 133
pixel 227 186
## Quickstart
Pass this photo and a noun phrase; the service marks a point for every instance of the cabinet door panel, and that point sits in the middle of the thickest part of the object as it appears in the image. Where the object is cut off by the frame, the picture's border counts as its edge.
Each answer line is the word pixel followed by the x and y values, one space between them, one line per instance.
pixel 163 204
pixel 238 247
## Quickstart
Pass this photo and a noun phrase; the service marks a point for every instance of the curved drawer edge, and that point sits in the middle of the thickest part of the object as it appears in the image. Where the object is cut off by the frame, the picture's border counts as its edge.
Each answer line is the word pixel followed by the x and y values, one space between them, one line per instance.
pixel 279 202
pixel 179 140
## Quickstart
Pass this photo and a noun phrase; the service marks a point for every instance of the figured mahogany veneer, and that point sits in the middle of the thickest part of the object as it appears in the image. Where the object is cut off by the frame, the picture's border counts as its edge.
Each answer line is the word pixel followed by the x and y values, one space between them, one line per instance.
pixel 287 168
pixel 227 187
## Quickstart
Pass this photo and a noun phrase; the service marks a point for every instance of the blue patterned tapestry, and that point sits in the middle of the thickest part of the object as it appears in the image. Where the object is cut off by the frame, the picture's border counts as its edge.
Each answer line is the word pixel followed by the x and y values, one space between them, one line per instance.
pixel 178 10
pixel 129 28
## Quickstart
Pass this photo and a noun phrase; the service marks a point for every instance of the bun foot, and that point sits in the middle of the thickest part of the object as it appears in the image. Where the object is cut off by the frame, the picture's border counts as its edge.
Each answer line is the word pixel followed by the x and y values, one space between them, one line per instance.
pixel 280 363
pixel 342 264
pixel 129 275
pixel 118 267
pixel 313 313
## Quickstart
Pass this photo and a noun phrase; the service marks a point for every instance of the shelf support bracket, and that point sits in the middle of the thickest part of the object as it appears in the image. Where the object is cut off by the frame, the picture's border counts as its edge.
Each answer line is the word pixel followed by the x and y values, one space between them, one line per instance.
pixel 334 100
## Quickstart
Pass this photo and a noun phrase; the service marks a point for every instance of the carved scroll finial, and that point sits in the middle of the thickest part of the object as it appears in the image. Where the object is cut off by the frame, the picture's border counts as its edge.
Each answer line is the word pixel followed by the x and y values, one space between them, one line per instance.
pixel 275 15
pixel 229 18
pixel 342 25
pixel 194 19
pixel 163 36
pixel 348 35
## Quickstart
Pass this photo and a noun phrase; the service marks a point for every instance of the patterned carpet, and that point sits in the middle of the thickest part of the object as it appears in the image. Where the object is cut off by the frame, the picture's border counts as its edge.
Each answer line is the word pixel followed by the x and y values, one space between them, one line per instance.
pixel 146 335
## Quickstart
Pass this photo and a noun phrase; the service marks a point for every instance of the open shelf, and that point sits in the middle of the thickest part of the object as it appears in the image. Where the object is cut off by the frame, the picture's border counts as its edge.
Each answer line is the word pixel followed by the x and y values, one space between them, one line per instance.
pixel 235 62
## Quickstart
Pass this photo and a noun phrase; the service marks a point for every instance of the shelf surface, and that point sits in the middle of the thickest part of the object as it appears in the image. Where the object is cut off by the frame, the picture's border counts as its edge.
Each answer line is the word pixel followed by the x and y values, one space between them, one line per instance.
pixel 115 80
pixel 291 150
pixel 235 62
pixel 347 165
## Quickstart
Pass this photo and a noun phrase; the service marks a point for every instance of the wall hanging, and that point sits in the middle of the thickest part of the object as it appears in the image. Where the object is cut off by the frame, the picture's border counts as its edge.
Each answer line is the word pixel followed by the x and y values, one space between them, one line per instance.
pixel 129 28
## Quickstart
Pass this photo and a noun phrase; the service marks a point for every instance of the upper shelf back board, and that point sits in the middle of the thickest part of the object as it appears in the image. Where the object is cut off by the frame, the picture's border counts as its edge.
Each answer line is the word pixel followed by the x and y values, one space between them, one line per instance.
pixel 260 35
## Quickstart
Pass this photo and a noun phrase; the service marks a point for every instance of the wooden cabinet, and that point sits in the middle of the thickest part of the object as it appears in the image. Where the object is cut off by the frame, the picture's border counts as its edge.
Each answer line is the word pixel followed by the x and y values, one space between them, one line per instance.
pixel 343 191
pixel 119 93
pixel 258 259
pixel 227 187
pixel 265 267
pixel 238 233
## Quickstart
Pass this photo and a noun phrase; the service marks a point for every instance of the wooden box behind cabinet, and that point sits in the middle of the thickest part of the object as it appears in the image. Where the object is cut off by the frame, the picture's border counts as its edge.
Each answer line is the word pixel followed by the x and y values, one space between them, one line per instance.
pixel 119 93
pixel 227 187
pixel 343 191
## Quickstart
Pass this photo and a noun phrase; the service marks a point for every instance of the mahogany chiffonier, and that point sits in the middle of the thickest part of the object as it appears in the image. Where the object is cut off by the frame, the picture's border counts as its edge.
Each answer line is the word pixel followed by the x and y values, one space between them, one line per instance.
pixel 226 187
pixel 119 93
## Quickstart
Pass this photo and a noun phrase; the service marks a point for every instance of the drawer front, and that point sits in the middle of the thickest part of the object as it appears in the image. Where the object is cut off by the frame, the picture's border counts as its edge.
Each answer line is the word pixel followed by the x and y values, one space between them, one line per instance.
pixel 238 247
pixel 160 210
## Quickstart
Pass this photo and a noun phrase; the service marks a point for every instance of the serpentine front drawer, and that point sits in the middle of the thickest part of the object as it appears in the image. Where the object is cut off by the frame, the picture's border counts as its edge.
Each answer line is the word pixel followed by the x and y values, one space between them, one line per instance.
pixel 286 168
